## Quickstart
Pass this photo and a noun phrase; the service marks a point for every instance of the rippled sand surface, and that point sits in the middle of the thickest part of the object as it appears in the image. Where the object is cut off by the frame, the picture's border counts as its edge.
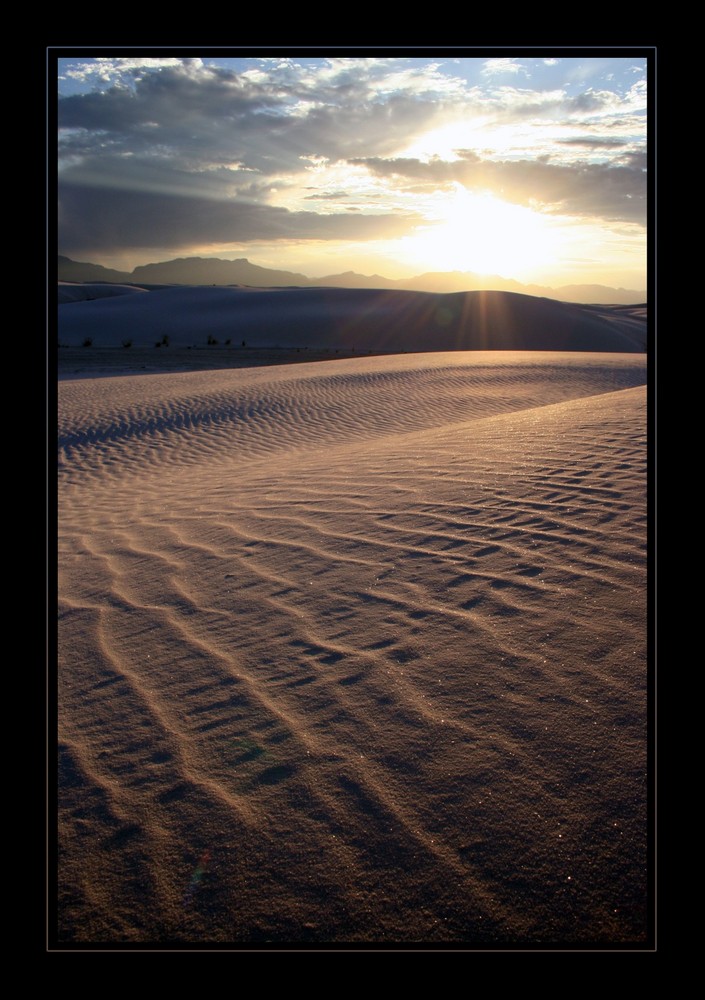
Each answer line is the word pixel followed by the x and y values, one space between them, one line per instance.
pixel 355 652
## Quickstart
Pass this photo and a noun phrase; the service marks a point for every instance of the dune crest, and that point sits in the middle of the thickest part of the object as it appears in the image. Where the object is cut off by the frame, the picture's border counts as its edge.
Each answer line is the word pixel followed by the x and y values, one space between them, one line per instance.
pixel 359 319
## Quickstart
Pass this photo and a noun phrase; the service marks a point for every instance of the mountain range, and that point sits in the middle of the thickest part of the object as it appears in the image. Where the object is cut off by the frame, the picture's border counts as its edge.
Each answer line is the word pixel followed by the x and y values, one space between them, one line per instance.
pixel 215 271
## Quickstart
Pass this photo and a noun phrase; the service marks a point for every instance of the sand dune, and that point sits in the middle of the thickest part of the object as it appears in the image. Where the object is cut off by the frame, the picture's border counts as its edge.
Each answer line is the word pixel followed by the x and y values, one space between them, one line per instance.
pixel 355 652
pixel 70 292
pixel 359 319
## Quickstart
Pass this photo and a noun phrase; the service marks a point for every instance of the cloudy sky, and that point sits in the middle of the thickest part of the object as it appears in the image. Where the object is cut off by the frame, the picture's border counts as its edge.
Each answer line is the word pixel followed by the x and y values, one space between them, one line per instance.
pixel 530 167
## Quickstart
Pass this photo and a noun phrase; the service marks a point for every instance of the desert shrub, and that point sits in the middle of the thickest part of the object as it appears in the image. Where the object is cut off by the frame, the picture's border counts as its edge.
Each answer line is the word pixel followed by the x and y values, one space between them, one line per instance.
pixel 165 341
pixel 127 343
pixel 88 342
pixel 211 340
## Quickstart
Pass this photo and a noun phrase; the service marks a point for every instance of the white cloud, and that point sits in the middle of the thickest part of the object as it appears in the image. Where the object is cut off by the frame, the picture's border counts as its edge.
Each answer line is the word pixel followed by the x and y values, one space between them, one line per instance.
pixel 109 70
pixel 494 66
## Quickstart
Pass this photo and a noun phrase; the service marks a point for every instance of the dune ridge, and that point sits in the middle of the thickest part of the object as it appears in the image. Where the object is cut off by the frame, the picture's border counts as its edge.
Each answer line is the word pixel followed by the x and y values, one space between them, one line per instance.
pixel 355 652
pixel 359 319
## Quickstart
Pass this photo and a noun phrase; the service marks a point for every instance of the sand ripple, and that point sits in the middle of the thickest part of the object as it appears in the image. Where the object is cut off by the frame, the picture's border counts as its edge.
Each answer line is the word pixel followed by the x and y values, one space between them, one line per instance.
pixel 355 653
pixel 125 425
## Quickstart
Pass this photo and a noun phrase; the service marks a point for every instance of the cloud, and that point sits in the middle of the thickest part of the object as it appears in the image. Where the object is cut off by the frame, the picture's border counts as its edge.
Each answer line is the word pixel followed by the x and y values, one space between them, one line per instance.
pixel 328 196
pixel 161 174
pixel 93 218
pixel 192 154
pixel 594 142
pixel 494 66
pixel 215 116
pixel 591 100
pixel 514 104
pixel 182 152
pixel 586 189
pixel 178 101
pixel 114 70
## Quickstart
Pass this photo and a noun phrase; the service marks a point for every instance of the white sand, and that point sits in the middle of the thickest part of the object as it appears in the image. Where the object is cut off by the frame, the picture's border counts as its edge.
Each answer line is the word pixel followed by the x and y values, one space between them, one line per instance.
pixel 359 319
pixel 355 652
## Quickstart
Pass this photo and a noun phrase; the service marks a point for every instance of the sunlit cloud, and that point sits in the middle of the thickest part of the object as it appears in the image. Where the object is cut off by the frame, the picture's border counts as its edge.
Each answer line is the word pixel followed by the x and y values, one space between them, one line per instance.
pixel 592 189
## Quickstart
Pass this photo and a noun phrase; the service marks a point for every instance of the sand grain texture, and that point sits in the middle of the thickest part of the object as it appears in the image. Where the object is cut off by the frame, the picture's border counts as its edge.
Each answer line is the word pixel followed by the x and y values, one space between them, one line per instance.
pixel 355 652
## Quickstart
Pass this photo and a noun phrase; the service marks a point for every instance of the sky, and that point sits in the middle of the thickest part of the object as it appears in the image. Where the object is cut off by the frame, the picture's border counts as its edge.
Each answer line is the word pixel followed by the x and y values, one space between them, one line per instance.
pixel 531 167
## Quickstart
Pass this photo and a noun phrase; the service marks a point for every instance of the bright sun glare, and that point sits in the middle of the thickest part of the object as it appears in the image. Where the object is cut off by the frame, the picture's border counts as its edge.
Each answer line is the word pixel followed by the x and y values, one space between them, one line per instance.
pixel 478 232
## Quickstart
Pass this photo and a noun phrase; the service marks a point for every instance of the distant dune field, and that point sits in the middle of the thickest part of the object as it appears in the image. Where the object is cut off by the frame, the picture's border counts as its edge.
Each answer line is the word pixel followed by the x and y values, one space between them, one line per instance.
pixel 354 651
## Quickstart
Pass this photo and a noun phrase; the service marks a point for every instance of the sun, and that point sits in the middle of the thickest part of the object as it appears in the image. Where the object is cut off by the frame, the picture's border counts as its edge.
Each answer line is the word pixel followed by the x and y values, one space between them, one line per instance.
pixel 482 233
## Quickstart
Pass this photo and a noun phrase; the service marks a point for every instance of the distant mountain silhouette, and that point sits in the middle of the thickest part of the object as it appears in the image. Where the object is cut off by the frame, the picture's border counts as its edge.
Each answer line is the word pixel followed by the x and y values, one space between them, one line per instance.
pixel 215 271
pixel 73 270
pixel 350 279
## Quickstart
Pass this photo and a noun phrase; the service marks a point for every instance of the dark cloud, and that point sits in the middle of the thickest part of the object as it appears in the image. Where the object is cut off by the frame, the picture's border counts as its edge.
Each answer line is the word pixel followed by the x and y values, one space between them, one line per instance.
pixel 594 142
pixel 94 218
pixel 586 189
pixel 171 97
pixel 590 101
pixel 637 160
pixel 160 174
pixel 220 117
pixel 363 127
